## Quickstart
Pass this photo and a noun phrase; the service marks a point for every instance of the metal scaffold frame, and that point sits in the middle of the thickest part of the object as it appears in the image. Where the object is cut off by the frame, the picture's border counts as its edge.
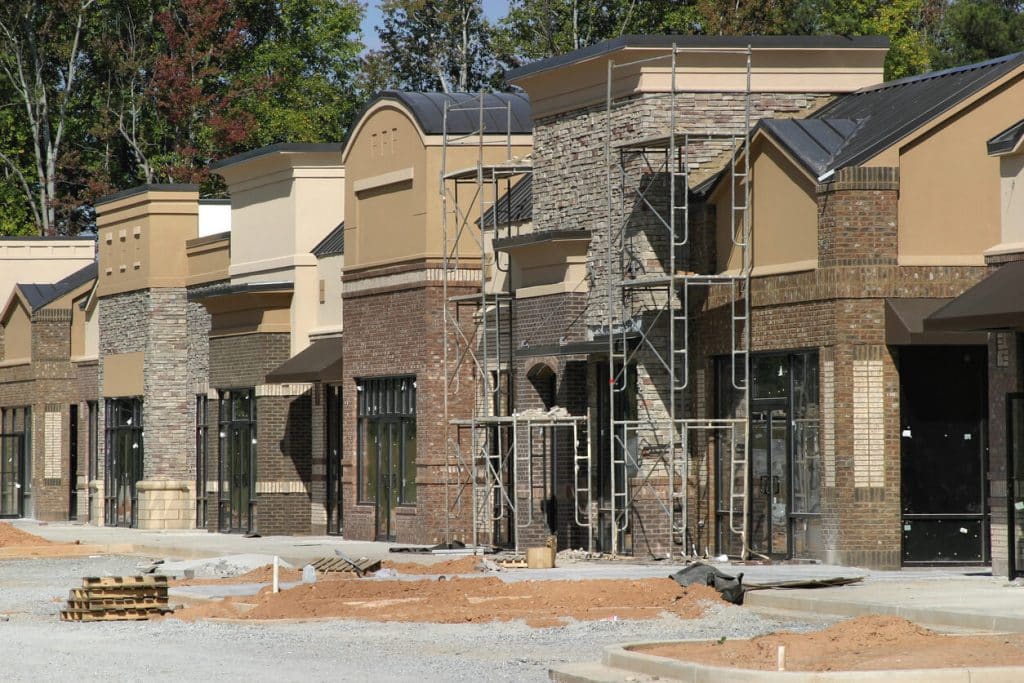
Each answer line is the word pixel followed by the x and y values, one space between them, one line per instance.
pixel 489 447
pixel 667 157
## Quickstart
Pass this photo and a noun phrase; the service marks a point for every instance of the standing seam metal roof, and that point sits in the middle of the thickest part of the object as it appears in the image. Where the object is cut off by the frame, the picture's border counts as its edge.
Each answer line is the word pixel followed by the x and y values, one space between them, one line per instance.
pixel 883 114
pixel 515 206
pixel 38 295
pixel 333 244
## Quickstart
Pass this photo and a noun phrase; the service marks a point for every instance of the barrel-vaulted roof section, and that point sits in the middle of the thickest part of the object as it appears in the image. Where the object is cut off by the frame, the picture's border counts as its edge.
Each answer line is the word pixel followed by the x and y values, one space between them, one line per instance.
pixel 503 113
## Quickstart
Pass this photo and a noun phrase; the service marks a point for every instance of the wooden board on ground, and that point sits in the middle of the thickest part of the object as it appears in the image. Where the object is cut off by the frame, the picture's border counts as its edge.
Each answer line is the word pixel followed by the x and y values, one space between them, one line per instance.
pixel 112 614
pixel 117 598
pixel 337 564
pixel 515 563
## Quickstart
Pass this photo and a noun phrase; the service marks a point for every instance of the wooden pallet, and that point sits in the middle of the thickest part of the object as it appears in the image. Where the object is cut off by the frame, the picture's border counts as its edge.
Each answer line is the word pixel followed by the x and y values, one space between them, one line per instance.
pixel 117 598
pixel 337 564
pixel 138 614
pixel 512 564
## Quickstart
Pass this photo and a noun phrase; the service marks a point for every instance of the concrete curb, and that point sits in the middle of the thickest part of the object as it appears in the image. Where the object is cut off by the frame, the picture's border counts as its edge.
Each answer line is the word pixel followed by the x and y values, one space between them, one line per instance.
pixel 623 658
pixel 928 616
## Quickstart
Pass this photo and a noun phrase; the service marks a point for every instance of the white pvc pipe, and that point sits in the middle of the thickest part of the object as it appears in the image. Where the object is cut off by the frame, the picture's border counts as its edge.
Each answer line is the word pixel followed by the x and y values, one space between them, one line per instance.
pixel 276 587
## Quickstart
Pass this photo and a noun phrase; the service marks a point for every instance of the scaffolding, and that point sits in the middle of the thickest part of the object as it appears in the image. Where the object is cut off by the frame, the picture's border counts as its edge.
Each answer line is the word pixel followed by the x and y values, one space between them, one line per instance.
pixel 489 449
pixel 649 310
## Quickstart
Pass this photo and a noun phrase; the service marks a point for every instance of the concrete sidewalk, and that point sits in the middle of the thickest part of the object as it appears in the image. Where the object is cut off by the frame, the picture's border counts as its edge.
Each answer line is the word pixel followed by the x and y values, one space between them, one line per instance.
pixel 968 598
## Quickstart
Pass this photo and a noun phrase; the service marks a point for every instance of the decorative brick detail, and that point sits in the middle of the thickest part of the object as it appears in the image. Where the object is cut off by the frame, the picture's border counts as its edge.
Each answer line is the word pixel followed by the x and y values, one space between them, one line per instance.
pixel 868 424
pixel 828 418
pixel 53 437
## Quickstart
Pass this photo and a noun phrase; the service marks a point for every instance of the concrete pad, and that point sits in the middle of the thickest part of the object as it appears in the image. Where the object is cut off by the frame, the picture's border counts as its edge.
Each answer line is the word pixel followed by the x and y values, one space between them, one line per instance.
pixel 224 566
pixel 635 665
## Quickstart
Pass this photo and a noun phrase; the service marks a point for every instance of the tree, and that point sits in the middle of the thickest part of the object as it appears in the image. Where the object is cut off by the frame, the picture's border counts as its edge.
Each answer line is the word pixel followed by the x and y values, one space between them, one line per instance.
pixel 436 44
pixel 40 60
pixel 976 30
pixel 299 71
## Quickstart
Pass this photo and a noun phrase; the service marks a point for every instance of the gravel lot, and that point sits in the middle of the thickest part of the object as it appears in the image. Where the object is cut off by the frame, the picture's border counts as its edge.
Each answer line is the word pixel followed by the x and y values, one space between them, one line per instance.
pixel 37 646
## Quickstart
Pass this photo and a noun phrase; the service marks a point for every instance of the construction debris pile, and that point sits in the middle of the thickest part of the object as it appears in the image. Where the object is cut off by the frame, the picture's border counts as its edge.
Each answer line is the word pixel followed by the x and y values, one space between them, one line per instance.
pixel 117 598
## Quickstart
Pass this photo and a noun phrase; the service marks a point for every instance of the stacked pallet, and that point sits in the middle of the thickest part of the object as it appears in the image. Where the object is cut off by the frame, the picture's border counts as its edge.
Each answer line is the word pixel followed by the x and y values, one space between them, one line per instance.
pixel 117 598
pixel 359 567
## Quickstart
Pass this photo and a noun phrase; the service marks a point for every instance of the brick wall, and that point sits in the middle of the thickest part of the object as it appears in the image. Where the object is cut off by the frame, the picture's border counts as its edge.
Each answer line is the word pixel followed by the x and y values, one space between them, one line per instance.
pixel 399 330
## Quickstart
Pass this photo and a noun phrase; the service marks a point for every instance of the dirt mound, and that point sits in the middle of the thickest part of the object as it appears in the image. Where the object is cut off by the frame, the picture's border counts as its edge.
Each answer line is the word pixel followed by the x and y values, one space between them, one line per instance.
pixel 868 643
pixel 473 600
pixel 13 536
pixel 264 574
pixel 462 565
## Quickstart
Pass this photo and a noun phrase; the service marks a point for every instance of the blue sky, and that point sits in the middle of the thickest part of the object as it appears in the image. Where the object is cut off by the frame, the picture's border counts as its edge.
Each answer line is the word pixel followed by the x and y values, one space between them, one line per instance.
pixel 494 9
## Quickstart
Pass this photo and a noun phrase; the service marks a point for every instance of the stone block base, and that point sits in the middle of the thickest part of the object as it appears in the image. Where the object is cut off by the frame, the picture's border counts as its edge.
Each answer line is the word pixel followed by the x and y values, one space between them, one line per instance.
pixel 96 502
pixel 166 504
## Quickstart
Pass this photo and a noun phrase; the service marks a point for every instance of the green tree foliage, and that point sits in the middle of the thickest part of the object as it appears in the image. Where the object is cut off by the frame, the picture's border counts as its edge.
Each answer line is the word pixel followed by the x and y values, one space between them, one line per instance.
pixel 435 45
pixel 976 30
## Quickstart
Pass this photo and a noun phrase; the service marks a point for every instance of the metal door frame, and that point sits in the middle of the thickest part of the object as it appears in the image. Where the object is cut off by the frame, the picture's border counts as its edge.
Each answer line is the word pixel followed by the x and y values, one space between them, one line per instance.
pixel 19 485
pixel 767 406
pixel 333 422
pixel 225 511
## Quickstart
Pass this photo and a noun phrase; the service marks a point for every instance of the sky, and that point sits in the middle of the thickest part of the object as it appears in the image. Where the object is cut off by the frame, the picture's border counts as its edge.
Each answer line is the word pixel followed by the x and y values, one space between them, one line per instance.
pixel 494 9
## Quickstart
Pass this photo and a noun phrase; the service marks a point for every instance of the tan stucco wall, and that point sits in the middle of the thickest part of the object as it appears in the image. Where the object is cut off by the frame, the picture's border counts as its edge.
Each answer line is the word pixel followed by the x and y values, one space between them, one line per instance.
pixel 85 331
pixel 142 239
pixel 122 374
pixel 784 216
pixel 40 260
pixel 208 258
pixel 393 204
pixel 249 313
pixel 584 83
pixel 283 203
pixel 1011 172
pixel 949 209
pixel 328 311
pixel 17 334
pixel 550 268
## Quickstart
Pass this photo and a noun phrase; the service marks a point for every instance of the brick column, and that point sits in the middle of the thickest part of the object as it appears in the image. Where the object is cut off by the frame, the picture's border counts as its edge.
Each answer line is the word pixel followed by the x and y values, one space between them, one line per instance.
pixel 1004 376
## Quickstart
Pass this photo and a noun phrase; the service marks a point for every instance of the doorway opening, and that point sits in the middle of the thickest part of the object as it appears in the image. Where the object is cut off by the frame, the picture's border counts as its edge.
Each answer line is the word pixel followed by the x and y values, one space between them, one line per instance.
pixel 124 460
pixel 387 448
pixel 237 410
pixel 332 419
pixel 943 429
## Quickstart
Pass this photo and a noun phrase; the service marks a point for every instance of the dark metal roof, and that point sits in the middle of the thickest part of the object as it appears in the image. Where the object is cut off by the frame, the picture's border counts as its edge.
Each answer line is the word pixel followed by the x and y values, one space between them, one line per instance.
pixel 333 244
pixel 152 187
pixel 724 42
pixel 515 206
pixel 1008 140
pixel 995 303
pixel 463 111
pixel 321 361
pixel 889 111
pixel 38 295
pixel 813 142
pixel 325 147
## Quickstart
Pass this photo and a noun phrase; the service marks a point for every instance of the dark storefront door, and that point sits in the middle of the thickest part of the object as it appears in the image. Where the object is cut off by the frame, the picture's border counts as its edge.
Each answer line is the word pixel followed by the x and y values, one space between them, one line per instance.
pixel 239 478
pixel 385 448
pixel 769 503
pixel 943 416
pixel 1015 481
pixel 12 475
pixel 125 457
pixel 332 411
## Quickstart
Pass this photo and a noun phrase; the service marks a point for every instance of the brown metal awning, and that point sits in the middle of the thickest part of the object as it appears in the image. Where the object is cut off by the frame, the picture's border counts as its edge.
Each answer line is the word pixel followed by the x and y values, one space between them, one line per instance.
pixel 319 362
pixel 904 325
pixel 995 303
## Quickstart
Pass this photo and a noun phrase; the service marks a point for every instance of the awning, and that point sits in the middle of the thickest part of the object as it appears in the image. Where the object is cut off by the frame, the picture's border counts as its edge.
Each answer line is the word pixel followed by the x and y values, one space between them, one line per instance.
pixel 904 324
pixel 995 303
pixel 319 362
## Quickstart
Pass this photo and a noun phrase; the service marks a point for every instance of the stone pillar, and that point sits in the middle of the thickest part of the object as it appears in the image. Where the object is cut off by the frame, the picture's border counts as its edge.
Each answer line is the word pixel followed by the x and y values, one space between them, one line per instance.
pixel 166 504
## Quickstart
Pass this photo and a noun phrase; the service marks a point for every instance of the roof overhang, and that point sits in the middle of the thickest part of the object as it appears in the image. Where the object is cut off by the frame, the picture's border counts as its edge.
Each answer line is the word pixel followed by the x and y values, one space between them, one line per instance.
pixel 904 325
pixel 995 303
pixel 321 361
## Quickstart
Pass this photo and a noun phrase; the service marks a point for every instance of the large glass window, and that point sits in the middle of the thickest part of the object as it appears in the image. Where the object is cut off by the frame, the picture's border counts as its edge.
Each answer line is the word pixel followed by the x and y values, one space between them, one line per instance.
pixel 15 440
pixel 387 446
pixel 124 459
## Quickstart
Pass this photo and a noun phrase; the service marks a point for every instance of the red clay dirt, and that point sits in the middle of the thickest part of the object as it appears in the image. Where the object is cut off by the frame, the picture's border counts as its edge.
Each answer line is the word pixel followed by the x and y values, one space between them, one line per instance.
pixel 467 600
pixel 869 643
pixel 13 536
pixel 462 565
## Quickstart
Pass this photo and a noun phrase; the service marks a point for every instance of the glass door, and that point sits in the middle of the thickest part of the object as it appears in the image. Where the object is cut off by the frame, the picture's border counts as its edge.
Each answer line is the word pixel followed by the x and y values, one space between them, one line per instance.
pixel 389 476
pixel 124 459
pixel 238 460
pixel 12 486
pixel 769 462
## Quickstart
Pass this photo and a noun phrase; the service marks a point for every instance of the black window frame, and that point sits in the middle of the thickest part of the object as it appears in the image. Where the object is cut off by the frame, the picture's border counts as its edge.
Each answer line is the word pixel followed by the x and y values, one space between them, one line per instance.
pixel 202 459
pixel 390 398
